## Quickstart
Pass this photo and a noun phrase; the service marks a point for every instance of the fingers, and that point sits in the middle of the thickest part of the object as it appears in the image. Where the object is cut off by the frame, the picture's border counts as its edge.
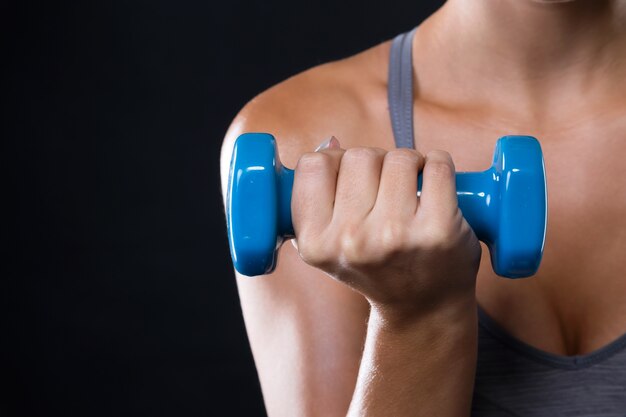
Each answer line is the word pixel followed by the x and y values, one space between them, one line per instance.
pixel 314 186
pixel 357 183
pixel 438 200
pixel 397 193
pixel 346 185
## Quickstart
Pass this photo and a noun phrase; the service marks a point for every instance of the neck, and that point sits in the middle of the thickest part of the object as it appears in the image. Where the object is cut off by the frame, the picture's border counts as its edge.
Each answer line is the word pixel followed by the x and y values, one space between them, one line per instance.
pixel 533 46
pixel 538 38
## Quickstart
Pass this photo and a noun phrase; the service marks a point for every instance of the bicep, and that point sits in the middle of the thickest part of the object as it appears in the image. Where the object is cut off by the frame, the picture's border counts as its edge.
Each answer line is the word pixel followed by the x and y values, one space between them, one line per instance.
pixel 307 333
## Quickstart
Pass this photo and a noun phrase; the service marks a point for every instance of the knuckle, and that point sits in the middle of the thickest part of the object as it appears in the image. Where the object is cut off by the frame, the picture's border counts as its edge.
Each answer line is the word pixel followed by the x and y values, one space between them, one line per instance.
pixel 312 252
pixel 402 156
pixel 392 236
pixel 361 249
pixel 438 154
pixel 310 257
pixel 438 237
pixel 440 168
pixel 314 162
pixel 360 153
pixel 352 246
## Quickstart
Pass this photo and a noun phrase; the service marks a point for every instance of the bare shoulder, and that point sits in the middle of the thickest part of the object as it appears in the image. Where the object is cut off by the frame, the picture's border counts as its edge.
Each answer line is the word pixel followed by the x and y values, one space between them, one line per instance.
pixel 344 98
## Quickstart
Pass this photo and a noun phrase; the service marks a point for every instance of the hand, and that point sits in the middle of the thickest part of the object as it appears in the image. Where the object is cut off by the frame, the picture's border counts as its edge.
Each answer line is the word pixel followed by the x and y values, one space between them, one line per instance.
pixel 357 217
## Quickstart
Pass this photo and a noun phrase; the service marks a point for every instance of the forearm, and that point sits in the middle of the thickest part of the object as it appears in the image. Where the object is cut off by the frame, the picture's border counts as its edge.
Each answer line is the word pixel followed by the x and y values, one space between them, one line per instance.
pixel 424 367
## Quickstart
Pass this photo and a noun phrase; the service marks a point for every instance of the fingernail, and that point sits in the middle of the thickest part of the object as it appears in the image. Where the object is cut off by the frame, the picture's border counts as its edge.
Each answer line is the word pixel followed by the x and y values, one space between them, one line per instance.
pixel 329 143
pixel 324 145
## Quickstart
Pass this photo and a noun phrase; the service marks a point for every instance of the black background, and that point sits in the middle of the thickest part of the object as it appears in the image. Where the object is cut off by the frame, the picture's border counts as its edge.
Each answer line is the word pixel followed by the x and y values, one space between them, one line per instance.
pixel 118 295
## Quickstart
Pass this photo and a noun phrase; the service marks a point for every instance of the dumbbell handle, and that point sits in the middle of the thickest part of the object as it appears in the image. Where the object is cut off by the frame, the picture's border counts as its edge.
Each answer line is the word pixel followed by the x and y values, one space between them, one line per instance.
pixel 477 206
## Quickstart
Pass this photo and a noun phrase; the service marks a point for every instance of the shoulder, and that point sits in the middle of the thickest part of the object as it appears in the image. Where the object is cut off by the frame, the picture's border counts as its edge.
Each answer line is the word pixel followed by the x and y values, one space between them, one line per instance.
pixel 342 98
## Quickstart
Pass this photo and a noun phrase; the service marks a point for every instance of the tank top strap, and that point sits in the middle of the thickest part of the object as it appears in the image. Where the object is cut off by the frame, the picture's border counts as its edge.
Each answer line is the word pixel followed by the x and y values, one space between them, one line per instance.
pixel 400 89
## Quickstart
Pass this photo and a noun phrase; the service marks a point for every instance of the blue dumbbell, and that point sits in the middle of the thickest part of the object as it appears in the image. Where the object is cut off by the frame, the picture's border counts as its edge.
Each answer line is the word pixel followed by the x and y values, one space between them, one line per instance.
pixel 506 205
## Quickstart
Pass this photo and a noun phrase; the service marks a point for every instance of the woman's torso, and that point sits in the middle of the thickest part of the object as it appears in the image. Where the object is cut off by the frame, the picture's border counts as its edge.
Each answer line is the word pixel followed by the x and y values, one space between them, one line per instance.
pixel 512 377
pixel 576 303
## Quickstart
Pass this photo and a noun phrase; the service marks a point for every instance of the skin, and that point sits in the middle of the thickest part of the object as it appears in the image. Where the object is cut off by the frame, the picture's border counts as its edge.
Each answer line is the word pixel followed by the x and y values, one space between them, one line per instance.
pixel 359 319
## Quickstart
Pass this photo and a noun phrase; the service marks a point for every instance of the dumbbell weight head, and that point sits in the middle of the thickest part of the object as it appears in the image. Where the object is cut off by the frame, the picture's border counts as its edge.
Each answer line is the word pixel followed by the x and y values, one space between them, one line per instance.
pixel 258 204
pixel 505 205
pixel 520 226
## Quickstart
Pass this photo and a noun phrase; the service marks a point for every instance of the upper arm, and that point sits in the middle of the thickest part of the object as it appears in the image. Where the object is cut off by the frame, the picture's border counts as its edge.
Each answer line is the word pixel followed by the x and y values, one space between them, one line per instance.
pixel 305 329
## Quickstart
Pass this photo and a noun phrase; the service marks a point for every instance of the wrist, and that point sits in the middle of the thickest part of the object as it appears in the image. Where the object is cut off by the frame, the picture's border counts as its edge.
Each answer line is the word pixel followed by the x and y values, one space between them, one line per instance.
pixel 457 315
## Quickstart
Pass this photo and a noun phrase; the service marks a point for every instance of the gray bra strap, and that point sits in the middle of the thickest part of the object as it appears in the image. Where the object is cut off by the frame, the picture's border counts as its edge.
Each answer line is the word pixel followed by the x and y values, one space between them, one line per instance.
pixel 400 89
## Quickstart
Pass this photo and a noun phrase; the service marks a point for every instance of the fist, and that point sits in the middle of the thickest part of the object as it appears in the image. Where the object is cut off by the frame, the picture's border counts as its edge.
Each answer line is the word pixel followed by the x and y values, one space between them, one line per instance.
pixel 358 217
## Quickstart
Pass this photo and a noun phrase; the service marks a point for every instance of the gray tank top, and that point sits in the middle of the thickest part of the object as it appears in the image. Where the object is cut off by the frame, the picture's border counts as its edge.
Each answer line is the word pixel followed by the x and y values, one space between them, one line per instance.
pixel 513 378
